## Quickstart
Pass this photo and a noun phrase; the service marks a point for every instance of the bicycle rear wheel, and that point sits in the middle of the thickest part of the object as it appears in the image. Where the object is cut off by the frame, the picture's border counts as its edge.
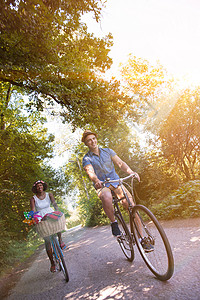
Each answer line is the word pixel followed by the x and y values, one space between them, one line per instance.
pixel 125 240
pixel 60 258
pixel 160 259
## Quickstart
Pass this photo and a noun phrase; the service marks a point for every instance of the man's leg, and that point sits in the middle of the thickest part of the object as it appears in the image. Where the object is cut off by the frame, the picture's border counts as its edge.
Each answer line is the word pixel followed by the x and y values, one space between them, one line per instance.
pixel 106 198
pixel 120 195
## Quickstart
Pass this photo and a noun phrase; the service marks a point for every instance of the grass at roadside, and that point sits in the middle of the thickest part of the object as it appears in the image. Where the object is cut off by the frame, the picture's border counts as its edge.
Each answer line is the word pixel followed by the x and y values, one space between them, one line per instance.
pixel 18 251
pixel 73 220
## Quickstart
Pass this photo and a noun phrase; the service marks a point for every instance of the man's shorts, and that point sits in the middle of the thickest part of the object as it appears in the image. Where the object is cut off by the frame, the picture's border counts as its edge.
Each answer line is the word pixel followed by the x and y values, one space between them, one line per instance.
pixel 116 190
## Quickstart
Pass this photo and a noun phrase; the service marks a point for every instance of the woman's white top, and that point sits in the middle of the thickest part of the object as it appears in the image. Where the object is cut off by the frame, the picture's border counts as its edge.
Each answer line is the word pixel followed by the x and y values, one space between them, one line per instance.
pixel 43 206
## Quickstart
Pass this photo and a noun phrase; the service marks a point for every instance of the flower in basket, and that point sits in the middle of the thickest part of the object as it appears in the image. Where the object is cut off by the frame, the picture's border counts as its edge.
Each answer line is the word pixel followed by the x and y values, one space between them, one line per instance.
pixel 29 222
pixel 32 217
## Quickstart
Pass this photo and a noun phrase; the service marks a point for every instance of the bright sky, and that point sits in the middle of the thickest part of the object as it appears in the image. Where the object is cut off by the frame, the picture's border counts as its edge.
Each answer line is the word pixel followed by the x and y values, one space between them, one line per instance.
pixel 164 30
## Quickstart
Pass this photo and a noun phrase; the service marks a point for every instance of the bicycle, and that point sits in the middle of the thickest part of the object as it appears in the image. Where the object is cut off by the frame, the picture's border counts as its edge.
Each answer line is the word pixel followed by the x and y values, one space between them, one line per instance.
pixel 142 226
pixel 51 228
pixel 58 257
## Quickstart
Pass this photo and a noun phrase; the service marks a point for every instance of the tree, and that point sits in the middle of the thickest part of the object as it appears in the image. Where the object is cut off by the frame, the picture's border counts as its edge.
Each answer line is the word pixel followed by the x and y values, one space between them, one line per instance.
pixel 25 147
pixel 143 82
pixel 47 52
pixel 180 136
pixel 153 98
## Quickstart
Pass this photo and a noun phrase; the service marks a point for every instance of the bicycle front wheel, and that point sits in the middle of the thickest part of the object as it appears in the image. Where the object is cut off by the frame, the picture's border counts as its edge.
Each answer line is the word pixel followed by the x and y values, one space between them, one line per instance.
pixel 61 260
pixel 125 240
pixel 157 254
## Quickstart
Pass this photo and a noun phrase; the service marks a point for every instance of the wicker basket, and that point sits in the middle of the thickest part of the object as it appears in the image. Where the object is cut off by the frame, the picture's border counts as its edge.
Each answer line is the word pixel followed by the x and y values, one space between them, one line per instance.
pixel 49 227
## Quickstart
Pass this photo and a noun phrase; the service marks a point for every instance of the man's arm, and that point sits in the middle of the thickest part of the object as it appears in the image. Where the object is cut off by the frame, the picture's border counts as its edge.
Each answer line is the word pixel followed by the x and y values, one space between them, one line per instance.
pixel 123 166
pixel 90 171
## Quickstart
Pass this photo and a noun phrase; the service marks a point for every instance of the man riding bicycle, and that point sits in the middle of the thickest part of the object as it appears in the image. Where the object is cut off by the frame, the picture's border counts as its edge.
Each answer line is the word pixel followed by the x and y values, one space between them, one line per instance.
pixel 99 165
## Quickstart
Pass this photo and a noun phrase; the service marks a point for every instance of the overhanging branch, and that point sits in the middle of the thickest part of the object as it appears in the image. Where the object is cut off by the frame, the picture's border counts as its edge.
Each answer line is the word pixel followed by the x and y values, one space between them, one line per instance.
pixel 32 89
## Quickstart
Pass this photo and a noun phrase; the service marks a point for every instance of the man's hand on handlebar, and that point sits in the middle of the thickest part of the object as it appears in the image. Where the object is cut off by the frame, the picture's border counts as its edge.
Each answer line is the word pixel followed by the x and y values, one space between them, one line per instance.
pixel 98 184
pixel 136 176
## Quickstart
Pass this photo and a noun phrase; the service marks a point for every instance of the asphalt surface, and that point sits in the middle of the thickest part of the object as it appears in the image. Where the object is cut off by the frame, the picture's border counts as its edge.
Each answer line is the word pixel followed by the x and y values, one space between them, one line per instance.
pixel 98 269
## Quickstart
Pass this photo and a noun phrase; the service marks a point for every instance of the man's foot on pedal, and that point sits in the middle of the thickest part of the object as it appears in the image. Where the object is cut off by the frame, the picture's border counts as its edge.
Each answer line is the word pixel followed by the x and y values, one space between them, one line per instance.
pixel 115 229
pixel 146 245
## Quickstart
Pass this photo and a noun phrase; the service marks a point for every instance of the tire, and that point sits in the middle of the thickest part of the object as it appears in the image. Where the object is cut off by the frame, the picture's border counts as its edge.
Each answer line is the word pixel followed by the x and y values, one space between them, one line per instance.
pixel 125 240
pixel 160 261
pixel 61 261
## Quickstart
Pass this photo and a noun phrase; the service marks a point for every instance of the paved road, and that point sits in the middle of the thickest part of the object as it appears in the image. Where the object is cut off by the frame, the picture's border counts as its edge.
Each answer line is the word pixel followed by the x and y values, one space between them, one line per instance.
pixel 98 269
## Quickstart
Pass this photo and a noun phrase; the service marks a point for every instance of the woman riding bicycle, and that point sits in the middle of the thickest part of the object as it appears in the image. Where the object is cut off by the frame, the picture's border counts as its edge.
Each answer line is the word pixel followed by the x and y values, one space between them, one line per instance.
pixel 41 202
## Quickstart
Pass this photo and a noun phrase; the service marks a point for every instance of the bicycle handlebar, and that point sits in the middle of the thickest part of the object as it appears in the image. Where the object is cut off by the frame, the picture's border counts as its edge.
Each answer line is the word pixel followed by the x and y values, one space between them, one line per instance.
pixel 120 180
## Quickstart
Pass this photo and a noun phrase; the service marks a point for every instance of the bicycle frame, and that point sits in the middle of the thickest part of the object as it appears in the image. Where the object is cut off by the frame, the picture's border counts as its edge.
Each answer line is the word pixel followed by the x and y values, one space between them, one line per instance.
pixel 130 205
pixel 59 257
pixel 54 248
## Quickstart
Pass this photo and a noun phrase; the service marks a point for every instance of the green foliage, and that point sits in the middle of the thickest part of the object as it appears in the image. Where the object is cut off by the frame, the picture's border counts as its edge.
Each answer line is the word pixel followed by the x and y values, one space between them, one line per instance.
pixel 157 178
pixel 14 251
pixel 182 203
pixel 24 145
pixel 21 155
pixel 25 150
pixel 47 53
pixel 91 210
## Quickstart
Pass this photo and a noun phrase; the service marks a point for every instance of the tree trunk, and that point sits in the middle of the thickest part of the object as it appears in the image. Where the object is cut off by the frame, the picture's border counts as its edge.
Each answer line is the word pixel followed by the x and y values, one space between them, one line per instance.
pixel 2 126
